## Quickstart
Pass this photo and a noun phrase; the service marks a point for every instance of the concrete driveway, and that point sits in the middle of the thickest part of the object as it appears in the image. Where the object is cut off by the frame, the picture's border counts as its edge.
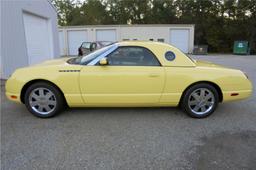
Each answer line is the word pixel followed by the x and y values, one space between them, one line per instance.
pixel 133 138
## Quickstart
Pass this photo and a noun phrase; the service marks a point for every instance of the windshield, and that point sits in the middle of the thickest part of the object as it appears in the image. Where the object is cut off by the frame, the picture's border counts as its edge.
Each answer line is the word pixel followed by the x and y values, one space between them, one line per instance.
pixel 90 57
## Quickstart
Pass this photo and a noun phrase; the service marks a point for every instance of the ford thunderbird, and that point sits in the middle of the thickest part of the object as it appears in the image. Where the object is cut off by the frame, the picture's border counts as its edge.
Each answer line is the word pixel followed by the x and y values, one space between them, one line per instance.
pixel 127 74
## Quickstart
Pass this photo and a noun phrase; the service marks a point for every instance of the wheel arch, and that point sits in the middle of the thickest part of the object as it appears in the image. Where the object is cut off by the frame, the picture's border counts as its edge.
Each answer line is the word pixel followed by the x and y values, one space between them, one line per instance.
pixel 29 83
pixel 217 87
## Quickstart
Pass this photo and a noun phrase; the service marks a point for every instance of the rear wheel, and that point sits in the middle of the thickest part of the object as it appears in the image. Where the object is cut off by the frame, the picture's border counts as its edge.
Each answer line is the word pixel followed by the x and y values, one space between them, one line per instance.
pixel 43 100
pixel 200 100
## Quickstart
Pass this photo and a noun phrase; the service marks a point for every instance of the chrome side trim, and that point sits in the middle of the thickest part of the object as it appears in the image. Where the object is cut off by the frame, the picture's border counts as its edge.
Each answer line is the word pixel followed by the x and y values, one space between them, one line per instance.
pixel 69 70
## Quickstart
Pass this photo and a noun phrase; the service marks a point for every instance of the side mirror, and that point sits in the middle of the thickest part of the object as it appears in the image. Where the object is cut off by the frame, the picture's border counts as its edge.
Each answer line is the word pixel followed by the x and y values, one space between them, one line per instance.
pixel 103 61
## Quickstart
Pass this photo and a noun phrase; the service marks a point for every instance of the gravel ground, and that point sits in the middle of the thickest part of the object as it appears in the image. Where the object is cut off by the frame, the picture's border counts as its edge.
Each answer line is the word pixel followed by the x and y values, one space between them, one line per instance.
pixel 133 138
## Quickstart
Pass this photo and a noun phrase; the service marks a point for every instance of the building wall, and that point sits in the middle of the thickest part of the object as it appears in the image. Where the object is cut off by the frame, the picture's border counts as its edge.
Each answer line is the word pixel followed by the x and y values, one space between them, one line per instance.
pixel 13 40
pixel 144 33
pixel 131 32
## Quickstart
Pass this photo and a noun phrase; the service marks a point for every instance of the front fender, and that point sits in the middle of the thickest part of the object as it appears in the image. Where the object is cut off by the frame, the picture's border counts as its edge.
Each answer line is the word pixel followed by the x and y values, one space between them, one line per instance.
pixel 66 79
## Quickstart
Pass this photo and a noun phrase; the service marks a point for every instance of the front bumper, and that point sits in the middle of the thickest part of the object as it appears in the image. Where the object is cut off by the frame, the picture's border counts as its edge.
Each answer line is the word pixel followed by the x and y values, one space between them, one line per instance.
pixel 13 90
pixel 13 97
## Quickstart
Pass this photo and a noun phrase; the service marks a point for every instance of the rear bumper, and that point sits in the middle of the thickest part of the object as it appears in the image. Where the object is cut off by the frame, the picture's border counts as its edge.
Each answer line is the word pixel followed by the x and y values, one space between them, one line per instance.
pixel 241 94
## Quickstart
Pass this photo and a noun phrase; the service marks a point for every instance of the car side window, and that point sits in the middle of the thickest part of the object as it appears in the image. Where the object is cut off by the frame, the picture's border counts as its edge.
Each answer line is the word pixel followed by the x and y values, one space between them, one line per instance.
pixel 93 46
pixel 132 56
pixel 86 45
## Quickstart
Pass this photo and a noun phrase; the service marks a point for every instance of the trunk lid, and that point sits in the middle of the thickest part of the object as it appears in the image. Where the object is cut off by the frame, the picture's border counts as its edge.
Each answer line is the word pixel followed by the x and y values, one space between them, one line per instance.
pixel 200 63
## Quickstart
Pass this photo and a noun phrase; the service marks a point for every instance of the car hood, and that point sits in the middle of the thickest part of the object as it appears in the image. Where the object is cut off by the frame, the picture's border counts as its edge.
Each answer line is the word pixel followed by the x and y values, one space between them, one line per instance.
pixel 201 63
pixel 60 61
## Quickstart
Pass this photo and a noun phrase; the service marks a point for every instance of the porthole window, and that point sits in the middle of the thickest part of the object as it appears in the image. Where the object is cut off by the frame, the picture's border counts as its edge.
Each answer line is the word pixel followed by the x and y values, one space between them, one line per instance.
pixel 170 56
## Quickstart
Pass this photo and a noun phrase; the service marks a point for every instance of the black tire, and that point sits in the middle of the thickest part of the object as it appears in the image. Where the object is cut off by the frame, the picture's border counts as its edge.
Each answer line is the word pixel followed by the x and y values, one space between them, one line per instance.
pixel 187 95
pixel 57 98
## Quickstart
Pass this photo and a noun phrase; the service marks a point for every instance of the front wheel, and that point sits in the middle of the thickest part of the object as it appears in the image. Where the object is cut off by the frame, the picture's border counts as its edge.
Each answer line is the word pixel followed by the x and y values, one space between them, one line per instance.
pixel 43 100
pixel 200 100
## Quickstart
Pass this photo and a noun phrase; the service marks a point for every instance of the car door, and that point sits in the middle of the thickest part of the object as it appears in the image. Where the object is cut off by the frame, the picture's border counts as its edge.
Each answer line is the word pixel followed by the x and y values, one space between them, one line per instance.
pixel 133 76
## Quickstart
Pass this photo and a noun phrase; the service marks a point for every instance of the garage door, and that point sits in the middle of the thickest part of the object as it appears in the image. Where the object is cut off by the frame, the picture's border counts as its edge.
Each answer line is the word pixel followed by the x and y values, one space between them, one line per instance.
pixel 1 66
pixel 38 38
pixel 61 43
pixel 106 35
pixel 75 39
pixel 180 39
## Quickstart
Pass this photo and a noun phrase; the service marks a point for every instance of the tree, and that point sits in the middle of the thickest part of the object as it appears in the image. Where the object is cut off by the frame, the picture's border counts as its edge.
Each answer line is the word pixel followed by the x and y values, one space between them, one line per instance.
pixel 218 23
pixel 92 12
pixel 64 8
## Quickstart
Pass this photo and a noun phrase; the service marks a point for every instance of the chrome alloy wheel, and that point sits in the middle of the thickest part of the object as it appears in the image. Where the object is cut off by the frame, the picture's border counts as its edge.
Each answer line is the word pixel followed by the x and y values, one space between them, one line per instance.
pixel 42 101
pixel 201 101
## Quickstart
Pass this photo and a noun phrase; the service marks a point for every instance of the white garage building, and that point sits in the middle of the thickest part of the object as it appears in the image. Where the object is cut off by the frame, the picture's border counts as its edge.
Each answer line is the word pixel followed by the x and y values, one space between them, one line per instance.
pixel 29 34
pixel 181 36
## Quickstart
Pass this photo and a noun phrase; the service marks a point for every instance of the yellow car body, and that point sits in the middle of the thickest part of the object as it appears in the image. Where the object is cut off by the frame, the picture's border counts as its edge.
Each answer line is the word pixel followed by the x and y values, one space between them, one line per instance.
pixel 123 86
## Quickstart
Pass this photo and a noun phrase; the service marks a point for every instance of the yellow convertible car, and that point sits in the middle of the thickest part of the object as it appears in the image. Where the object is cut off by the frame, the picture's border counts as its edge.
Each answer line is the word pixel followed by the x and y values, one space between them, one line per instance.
pixel 127 74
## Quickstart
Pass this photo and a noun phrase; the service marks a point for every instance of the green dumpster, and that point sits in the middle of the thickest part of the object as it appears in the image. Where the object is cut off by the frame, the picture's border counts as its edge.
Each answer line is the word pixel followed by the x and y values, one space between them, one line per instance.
pixel 241 47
